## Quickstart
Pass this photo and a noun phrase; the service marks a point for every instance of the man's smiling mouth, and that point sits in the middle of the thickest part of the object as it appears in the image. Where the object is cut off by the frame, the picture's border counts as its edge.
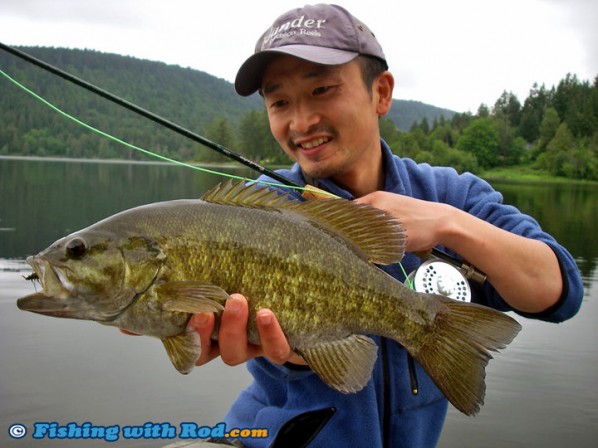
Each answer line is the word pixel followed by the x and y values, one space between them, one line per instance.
pixel 314 143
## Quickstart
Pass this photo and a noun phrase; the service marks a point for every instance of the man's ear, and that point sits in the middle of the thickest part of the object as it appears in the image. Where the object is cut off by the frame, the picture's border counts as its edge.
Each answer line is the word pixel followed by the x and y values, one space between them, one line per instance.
pixel 383 87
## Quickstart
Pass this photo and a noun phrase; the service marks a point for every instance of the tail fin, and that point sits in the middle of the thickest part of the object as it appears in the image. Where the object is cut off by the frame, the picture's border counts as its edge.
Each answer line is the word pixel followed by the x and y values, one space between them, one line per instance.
pixel 456 355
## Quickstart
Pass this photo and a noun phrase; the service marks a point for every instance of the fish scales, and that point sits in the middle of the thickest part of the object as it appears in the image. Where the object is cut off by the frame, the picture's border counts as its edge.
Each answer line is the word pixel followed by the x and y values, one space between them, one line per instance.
pixel 274 259
pixel 313 264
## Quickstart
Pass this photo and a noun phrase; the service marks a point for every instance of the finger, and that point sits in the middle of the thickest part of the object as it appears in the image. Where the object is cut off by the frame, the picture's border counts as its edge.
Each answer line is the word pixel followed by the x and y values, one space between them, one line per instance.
pixel 274 342
pixel 232 335
pixel 203 323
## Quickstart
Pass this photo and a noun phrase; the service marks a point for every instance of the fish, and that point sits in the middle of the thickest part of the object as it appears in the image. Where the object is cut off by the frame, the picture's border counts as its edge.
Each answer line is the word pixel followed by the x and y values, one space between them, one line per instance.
pixel 314 263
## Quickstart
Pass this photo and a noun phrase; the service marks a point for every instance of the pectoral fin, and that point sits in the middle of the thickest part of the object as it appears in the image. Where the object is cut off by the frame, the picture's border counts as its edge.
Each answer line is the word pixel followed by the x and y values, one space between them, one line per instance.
pixel 183 350
pixel 345 365
pixel 191 297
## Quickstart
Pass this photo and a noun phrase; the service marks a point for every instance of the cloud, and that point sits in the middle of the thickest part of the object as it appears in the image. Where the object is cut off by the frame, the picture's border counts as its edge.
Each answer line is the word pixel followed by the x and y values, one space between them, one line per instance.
pixel 455 54
pixel 582 16
pixel 105 11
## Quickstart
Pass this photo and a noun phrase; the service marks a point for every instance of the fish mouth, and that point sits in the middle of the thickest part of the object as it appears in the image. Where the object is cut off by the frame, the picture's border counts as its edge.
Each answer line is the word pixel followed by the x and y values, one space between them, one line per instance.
pixel 42 304
pixel 57 289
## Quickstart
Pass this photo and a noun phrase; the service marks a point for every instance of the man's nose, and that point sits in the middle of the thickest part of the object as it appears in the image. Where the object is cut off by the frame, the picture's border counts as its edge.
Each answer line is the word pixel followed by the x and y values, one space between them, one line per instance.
pixel 304 117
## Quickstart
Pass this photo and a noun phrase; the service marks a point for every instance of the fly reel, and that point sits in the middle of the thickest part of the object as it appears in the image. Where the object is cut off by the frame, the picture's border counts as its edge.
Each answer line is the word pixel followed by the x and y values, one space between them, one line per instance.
pixel 439 277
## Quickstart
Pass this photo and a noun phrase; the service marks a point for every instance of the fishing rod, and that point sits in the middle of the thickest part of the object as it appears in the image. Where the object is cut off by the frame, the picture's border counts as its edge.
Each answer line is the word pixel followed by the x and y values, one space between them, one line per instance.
pixel 149 115
pixel 465 269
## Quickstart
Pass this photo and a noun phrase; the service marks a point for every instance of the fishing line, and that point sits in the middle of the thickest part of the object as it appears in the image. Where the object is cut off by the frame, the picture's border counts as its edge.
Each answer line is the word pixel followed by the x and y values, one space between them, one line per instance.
pixel 142 150
pixel 408 281
pixel 159 156
pixel 469 271
pixel 149 115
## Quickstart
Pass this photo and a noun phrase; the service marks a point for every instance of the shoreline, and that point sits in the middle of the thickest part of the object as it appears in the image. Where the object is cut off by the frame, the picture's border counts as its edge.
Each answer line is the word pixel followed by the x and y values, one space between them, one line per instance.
pixel 498 176
pixel 116 161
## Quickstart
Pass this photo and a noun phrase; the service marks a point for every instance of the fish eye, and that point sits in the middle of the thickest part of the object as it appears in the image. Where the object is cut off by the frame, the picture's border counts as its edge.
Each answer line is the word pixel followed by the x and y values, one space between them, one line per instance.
pixel 76 248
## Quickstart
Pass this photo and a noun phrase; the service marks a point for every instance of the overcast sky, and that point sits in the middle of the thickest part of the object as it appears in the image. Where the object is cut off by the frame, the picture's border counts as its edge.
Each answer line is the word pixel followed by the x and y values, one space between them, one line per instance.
pixel 455 54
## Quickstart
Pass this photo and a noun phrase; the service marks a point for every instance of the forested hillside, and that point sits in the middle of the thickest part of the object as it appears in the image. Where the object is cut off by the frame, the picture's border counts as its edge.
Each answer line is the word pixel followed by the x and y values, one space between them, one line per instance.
pixel 554 131
pixel 187 97
pixel 195 100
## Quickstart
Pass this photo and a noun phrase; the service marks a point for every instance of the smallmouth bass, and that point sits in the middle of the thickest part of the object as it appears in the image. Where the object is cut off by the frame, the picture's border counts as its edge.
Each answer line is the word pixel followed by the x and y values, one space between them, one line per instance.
pixel 312 263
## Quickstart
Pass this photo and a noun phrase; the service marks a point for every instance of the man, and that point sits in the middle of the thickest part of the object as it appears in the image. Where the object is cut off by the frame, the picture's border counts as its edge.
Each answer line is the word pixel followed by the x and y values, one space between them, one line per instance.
pixel 325 84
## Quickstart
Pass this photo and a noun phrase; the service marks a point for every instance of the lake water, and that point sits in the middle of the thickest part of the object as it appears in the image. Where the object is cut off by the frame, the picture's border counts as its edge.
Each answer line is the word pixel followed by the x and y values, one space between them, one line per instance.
pixel 541 391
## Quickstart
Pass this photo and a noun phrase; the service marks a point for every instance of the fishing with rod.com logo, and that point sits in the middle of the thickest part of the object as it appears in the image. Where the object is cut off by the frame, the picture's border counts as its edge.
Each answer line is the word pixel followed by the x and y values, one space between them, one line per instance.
pixel 149 430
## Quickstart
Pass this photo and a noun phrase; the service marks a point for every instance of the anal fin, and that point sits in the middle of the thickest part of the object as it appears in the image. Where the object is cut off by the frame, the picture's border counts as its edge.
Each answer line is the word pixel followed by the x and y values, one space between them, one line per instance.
pixel 183 350
pixel 346 364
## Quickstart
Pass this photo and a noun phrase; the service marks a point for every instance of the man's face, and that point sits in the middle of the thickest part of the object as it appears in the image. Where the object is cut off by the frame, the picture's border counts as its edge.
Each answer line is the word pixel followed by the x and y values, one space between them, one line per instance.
pixel 322 116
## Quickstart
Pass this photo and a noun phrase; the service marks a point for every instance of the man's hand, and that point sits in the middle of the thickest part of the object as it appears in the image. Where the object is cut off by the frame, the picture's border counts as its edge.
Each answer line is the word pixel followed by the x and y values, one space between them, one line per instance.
pixel 424 216
pixel 232 345
pixel 524 271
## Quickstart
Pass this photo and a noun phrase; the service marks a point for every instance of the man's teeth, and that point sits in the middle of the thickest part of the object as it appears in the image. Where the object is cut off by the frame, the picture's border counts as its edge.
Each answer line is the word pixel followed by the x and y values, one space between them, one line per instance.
pixel 314 143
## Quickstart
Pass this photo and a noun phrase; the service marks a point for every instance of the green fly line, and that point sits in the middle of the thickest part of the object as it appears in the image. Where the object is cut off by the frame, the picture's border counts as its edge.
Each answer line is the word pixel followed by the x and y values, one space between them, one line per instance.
pixel 146 151
pixel 164 158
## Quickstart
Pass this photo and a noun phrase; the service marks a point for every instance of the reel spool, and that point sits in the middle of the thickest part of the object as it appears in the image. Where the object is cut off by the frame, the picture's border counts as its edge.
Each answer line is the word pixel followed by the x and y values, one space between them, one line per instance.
pixel 439 277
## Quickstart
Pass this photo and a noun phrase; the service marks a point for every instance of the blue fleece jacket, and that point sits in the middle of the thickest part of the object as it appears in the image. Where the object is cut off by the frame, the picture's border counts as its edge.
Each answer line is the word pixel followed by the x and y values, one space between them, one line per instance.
pixel 386 413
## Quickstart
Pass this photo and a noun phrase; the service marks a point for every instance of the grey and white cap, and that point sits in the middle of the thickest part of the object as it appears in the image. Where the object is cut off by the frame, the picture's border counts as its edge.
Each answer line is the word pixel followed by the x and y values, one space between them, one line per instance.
pixel 324 34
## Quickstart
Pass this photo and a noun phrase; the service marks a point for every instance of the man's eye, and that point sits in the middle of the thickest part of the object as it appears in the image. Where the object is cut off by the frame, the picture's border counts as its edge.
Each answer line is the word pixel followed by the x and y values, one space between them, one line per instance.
pixel 278 104
pixel 321 90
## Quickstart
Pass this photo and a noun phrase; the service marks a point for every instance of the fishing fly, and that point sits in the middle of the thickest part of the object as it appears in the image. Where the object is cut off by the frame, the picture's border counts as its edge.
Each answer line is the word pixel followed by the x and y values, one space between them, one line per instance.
pixel 34 279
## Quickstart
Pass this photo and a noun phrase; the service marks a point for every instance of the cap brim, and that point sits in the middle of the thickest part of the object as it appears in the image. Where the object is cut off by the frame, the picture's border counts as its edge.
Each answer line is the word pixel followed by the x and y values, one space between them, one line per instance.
pixel 249 76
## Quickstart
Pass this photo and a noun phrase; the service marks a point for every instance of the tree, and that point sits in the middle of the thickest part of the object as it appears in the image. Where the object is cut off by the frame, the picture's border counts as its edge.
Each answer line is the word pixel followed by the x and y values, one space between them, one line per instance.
pixel 406 145
pixel 460 121
pixel 508 106
pixel 510 148
pixel 388 130
pixel 481 139
pixel 532 112
pixel 256 140
pixel 581 163
pixel 557 150
pixel 446 134
pixel 218 131
pixel 548 127
pixel 443 155
pixel 425 126
pixel 575 102
pixel 483 111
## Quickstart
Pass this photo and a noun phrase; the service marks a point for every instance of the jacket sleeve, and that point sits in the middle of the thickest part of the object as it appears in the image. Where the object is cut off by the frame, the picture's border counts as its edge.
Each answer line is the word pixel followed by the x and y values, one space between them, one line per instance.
pixel 482 201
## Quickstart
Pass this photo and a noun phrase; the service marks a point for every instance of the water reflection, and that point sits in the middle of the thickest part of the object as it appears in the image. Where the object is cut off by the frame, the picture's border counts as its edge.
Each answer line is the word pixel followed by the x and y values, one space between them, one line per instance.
pixel 43 201
pixel 567 211
pixel 541 391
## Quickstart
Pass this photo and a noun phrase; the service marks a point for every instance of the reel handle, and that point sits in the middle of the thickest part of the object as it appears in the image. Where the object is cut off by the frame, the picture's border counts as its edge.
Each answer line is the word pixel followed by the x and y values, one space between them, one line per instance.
pixel 468 270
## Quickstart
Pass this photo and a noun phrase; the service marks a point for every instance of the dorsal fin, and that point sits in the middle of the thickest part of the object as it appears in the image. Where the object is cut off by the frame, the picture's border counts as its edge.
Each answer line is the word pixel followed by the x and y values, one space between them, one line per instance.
pixel 380 237
pixel 247 195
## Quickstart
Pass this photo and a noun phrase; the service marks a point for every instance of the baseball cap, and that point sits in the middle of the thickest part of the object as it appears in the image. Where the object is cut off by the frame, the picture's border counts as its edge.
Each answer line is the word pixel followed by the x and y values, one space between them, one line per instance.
pixel 324 34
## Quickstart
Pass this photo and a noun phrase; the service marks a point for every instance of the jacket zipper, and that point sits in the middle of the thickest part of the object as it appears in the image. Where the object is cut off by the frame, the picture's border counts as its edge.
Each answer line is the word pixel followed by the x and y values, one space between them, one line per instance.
pixel 412 375
pixel 386 387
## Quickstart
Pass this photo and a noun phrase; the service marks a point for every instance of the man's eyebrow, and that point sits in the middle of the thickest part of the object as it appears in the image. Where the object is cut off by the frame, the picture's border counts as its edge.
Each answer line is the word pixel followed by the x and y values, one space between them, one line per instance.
pixel 317 72
pixel 270 88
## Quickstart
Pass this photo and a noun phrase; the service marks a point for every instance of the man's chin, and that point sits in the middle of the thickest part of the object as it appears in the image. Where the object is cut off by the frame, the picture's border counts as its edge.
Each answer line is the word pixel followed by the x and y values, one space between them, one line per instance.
pixel 317 171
